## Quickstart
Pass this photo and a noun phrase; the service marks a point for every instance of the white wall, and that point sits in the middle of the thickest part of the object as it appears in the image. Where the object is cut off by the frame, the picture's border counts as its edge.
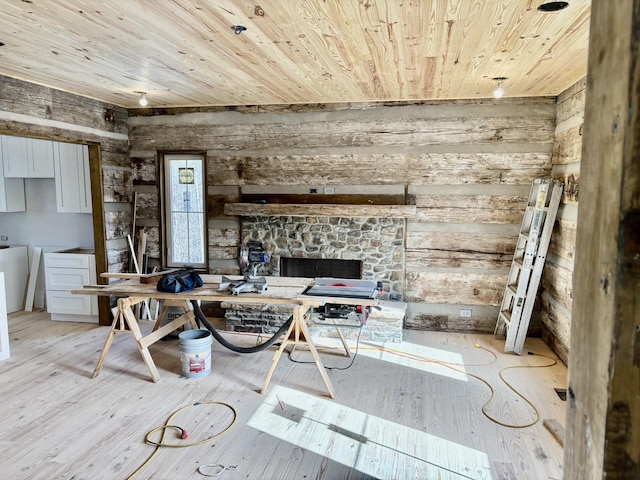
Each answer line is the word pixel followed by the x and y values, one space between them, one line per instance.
pixel 40 225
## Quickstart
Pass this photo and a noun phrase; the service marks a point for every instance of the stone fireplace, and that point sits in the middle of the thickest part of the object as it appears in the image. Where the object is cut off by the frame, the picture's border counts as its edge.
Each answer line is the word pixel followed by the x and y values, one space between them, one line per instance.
pixel 378 243
pixel 369 248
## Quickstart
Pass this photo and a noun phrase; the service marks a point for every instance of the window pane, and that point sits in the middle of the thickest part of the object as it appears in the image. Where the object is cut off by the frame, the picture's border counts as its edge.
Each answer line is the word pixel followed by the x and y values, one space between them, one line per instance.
pixel 185 212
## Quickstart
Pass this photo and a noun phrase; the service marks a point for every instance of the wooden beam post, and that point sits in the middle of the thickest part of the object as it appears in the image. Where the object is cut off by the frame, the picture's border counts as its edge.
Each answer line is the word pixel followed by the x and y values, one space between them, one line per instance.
pixel 99 234
pixel 603 410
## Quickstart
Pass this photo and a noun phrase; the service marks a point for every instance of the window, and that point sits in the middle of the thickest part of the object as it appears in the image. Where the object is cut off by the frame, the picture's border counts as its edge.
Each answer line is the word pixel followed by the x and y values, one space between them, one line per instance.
pixel 184 210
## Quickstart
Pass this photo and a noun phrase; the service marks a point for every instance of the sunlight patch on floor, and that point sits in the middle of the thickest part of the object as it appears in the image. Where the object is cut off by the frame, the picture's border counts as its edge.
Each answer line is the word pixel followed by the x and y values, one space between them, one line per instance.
pixel 369 444
pixel 426 359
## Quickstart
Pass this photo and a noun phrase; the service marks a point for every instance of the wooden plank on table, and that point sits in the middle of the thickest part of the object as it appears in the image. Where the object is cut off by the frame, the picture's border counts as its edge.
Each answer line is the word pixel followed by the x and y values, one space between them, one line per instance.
pixel 119 275
pixel 144 278
pixel 151 278
pixel 36 254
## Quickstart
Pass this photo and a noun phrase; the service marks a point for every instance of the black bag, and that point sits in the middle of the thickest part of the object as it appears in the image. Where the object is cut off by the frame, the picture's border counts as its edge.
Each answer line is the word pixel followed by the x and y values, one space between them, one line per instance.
pixel 179 281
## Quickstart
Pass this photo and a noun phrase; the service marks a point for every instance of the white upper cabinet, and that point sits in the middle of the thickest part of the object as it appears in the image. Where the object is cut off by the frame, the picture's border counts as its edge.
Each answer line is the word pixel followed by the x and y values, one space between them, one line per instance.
pixel 27 157
pixel 73 187
pixel 14 157
pixel 41 159
pixel 66 163
pixel 12 197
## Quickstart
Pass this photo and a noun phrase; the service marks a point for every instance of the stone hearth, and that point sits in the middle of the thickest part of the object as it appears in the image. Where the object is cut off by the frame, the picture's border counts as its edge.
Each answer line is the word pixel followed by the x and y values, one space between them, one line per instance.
pixel 383 324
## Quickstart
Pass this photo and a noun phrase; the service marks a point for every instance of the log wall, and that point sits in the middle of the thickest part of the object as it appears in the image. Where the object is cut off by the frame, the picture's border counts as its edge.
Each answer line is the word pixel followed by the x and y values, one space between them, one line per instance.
pixel 467 166
pixel 557 280
pixel 31 110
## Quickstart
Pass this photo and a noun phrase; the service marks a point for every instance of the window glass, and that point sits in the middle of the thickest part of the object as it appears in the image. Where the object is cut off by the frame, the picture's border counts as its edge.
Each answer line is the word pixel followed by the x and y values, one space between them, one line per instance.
pixel 185 210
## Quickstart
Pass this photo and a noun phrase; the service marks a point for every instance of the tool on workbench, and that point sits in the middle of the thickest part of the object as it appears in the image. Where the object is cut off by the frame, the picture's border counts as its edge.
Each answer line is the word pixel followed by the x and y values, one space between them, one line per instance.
pixel 249 260
pixel 340 314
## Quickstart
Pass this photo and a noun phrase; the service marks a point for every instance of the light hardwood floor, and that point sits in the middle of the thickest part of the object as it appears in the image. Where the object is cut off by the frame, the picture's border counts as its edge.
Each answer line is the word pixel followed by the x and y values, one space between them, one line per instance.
pixel 395 416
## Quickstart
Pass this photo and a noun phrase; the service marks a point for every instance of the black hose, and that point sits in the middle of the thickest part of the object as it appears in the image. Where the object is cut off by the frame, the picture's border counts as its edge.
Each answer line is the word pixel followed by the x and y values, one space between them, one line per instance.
pixel 201 318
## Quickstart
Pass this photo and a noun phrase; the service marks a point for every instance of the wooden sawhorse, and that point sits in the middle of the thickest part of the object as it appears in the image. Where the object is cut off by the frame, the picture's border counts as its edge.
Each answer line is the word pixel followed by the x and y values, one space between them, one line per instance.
pixel 298 334
pixel 125 321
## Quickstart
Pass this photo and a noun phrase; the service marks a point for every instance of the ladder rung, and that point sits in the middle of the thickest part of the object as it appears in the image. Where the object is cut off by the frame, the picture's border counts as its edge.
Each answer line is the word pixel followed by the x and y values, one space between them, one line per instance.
pixel 512 289
pixel 533 207
pixel 506 316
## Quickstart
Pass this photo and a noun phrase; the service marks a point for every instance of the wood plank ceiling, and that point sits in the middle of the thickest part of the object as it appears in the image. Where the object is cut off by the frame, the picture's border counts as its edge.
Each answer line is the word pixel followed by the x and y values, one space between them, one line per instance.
pixel 185 53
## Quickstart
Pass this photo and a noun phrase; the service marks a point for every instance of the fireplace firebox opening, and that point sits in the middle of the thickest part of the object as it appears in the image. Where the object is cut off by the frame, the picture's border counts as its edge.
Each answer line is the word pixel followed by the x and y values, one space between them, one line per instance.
pixel 320 267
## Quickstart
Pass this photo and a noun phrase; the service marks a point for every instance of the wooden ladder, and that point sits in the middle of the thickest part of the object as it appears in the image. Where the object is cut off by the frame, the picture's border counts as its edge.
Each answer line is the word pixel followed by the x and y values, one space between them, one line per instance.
pixel 528 262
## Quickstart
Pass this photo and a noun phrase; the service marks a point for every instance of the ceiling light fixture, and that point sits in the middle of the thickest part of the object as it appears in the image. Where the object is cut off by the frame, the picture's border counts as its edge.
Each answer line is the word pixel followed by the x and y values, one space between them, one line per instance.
pixel 143 99
pixel 553 6
pixel 499 91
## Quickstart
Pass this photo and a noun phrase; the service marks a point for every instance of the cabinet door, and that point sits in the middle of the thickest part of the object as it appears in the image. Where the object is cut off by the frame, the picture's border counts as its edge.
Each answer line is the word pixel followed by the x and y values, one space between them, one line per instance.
pixel 27 157
pixel 69 260
pixel 15 156
pixel 71 175
pixel 12 197
pixel 59 301
pixel 85 183
pixel 40 155
pixel 66 278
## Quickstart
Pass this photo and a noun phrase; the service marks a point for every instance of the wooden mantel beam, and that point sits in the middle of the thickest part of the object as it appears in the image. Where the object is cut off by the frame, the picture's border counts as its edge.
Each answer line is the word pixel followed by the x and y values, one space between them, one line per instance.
pixel 319 210
pixel 603 409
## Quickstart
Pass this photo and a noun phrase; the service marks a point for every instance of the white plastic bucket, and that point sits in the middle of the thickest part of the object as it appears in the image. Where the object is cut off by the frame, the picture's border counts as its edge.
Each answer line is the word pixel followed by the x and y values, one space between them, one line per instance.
pixel 195 353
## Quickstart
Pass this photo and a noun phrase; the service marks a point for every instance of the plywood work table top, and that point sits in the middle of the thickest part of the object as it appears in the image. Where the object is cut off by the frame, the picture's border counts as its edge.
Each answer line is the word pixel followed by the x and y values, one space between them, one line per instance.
pixel 283 290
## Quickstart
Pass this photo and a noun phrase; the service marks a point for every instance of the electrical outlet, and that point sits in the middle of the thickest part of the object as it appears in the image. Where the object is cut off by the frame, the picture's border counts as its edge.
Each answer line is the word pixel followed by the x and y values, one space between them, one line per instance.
pixel 329 190
pixel 4 238
pixel 465 313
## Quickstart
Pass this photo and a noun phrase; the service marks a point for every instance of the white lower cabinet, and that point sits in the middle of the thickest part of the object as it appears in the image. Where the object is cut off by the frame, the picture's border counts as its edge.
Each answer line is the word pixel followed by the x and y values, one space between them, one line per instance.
pixel 65 272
